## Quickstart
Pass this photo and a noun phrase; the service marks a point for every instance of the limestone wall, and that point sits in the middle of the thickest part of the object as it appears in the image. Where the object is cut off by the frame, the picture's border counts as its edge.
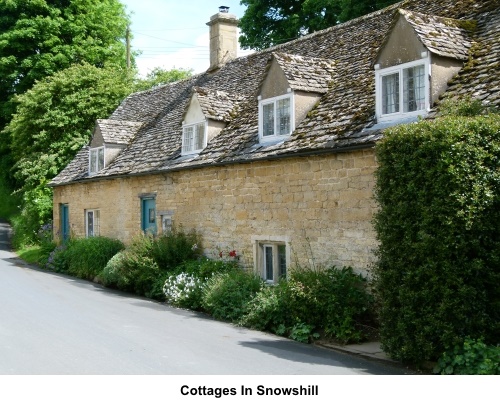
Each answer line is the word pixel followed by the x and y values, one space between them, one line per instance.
pixel 322 206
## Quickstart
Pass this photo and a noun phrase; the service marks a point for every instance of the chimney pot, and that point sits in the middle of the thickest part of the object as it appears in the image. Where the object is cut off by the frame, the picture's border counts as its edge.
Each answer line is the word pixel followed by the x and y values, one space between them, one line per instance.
pixel 223 9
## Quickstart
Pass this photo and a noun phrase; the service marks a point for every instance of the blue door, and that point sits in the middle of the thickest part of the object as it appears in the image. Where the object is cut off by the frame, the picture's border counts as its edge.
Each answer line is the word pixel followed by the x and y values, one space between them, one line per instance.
pixel 64 213
pixel 148 215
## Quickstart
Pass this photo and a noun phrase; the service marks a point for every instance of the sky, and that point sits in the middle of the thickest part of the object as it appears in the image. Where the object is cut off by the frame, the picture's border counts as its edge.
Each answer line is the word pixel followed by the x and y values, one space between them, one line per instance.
pixel 173 33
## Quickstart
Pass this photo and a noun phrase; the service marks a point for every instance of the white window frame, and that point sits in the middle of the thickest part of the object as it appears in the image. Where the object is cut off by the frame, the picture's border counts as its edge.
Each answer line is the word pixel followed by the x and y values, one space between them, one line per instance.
pixel 194 126
pixel 262 102
pixel 264 245
pixel 96 223
pixel 94 154
pixel 401 115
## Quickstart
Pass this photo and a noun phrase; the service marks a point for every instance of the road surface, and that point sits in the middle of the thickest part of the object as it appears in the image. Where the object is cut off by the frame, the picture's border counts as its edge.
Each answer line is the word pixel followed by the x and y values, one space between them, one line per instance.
pixel 55 324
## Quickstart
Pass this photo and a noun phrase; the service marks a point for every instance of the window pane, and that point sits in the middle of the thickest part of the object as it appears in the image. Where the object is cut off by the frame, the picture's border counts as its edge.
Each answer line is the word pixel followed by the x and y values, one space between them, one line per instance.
pixel 100 163
pixel 268 262
pixel 283 116
pixel 282 260
pixel 390 93
pixel 414 89
pixel 268 119
pixel 200 137
pixel 93 161
pixel 90 223
pixel 188 138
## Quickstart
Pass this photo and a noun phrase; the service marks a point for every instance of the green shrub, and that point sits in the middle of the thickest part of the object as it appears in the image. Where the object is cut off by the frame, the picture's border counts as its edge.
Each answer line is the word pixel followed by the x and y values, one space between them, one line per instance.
pixel 332 300
pixel 175 247
pixel 302 332
pixel 437 274
pixel 135 270
pixel 111 275
pixel 46 243
pixel 270 309
pixel 58 260
pixel 472 357
pixel 184 287
pixel 87 257
pixel 36 211
pixel 226 295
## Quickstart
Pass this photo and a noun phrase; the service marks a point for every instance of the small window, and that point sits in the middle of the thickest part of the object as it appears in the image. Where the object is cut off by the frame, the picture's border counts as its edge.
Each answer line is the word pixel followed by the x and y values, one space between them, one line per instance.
pixel 275 118
pixel 166 224
pixel 96 159
pixel 92 223
pixel 274 261
pixel 193 138
pixel 402 91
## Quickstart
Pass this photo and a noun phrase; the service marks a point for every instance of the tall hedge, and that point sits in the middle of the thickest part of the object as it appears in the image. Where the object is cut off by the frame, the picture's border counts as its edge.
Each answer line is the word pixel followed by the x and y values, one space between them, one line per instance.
pixel 438 270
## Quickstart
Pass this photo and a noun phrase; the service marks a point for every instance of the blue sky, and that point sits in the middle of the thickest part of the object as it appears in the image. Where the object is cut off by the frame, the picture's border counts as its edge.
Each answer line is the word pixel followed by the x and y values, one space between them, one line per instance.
pixel 174 33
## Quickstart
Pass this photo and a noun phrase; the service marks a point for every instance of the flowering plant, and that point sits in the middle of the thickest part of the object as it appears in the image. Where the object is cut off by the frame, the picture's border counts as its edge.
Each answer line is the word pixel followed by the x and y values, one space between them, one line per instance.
pixel 184 290
pixel 230 254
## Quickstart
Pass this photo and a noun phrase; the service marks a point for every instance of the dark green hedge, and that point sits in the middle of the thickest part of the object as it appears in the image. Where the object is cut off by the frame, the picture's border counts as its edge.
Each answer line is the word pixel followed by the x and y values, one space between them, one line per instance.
pixel 438 270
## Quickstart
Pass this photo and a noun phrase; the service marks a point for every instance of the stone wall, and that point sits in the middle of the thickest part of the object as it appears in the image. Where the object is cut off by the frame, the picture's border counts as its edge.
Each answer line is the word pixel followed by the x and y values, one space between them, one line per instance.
pixel 322 206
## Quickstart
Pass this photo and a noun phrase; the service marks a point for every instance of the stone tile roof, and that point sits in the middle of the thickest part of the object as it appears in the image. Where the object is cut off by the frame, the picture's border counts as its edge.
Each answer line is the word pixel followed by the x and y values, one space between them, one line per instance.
pixel 341 120
pixel 216 104
pixel 440 35
pixel 118 132
pixel 307 74
pixel 480 78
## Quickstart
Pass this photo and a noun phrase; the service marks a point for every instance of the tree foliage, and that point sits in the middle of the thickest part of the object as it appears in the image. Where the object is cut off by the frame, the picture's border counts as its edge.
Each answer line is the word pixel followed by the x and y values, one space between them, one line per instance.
pixel 438 261
pixel 41 37
pixel 271 22
pixel 159 76
pixel 52 122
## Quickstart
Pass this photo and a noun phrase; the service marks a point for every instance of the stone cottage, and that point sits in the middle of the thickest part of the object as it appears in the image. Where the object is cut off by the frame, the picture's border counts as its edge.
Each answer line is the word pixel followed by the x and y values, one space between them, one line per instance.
pixel 272 154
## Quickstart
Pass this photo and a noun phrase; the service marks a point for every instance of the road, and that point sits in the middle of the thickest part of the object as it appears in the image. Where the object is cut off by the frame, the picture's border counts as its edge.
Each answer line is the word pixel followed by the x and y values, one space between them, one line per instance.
pixel 58 325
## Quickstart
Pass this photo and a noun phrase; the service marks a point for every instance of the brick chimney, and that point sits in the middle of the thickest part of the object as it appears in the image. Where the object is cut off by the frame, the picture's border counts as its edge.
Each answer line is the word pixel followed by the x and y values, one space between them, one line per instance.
pixel 223 37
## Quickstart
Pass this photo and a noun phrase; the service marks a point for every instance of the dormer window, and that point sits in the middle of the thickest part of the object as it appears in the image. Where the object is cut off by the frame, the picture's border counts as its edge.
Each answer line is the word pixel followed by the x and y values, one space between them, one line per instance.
pixel 276 119
pixel 96 159
pixel 402 90
pixel 194 138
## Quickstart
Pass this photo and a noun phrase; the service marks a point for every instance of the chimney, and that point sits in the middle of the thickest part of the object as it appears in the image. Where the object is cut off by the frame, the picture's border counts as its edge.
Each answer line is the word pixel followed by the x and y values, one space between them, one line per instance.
pixel 223 37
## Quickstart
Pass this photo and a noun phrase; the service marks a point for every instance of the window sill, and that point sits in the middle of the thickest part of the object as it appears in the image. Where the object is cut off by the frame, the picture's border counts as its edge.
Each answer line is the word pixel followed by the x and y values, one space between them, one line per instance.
pixel 387 123
pixel 273 141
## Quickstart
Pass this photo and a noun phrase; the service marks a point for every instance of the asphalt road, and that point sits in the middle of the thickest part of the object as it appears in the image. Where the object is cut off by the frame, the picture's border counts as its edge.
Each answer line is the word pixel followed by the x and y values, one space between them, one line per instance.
pixel 58 325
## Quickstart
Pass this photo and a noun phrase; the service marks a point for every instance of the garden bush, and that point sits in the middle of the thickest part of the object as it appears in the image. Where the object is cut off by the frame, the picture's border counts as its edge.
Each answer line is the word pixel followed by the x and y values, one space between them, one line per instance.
pixel 226 295
pixel 171 249
pixel 437 276
pixel 46 243
pixel 332 301
pixel 471 357
pixel 135 270
pixel 184 287
pixel 269 309
pixel 86 258
pixel 145 264
pixel 58 260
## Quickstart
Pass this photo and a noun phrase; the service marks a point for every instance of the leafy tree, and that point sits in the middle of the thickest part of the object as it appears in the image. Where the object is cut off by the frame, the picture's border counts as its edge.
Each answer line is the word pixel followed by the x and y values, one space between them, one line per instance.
pixel 271 22
pixel 52 122
pixel 41 37
pixel 159 76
